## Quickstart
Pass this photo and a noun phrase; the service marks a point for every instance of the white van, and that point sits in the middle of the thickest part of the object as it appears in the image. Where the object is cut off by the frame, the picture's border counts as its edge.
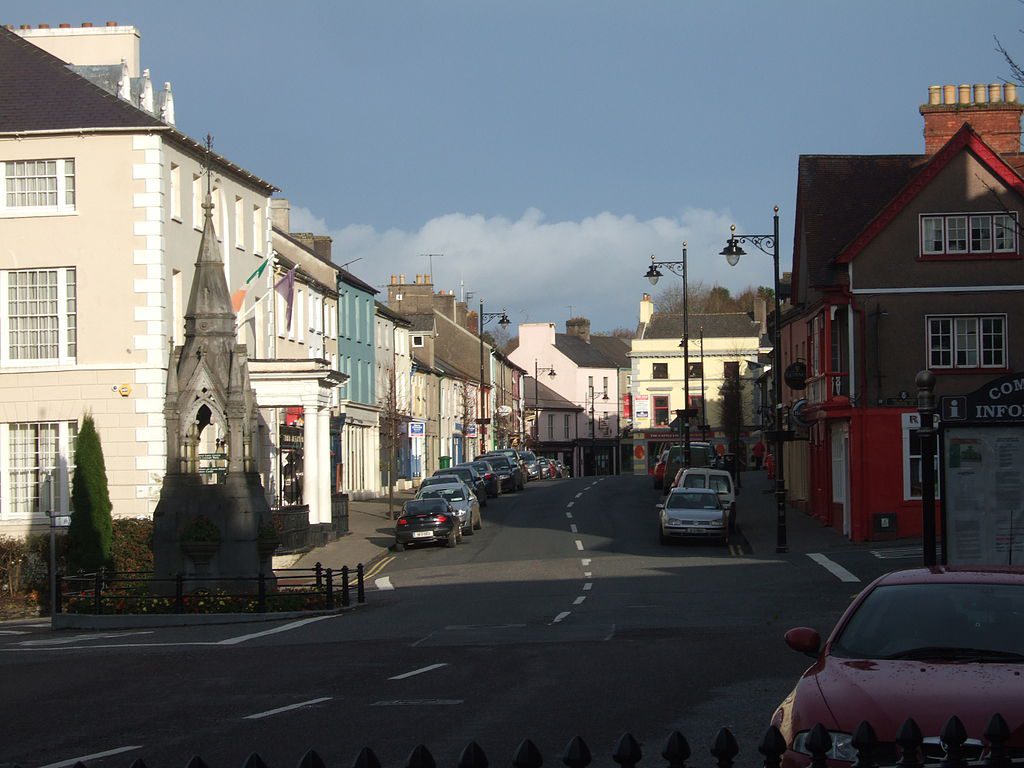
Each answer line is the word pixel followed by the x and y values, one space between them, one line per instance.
pixel 716 479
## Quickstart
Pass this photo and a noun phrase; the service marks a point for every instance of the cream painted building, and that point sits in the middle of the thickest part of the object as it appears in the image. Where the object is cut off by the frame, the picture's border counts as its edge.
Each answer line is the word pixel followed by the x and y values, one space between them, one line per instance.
pixel 100 223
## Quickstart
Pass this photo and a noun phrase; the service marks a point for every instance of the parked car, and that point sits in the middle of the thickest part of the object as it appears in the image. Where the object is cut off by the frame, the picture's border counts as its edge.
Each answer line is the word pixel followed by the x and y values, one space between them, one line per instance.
pixel 491 480
pixel 718 480
pixel 671 460
pixel 470 477
pixel 563 469
pixel 548 470
pixel 926 643
pixel 513 455
pixel 426 521
pixel 509 472
pixel 463 502
pixel 529 459
pixel 693 513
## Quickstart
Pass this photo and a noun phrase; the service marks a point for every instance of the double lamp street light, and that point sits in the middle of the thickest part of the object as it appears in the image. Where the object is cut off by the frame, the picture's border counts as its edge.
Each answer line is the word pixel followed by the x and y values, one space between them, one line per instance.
pixel 769 244
pixel 550 371
pixel 504 322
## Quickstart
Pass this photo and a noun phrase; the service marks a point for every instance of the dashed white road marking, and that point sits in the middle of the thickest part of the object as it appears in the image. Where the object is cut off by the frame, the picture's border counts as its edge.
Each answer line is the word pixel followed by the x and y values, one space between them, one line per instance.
pixel 275 630
pixel 585 561
pixel 832 567
pixel 570 503
pixel 573 528
pixel 569 515
pixel 587 574
pixel 561 616
pixel 579 494
pixel 579 600
pixel 12 632
pixel 79 638
pixel 279 710
pixel 579 545
pixel 384 583
pixel 588 586
pixel 419 671
pixel 96 756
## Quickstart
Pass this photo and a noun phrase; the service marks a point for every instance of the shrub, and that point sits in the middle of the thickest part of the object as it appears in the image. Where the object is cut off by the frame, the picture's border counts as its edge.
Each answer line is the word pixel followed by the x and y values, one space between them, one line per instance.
pixel 13 554
pixel 91 529
pixel 132 546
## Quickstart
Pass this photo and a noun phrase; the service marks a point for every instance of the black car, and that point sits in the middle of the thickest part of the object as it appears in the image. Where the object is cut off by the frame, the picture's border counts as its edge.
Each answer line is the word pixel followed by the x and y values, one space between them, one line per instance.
pixel 426 521
pixel 490 477
pixel 470 477
pixel 510 475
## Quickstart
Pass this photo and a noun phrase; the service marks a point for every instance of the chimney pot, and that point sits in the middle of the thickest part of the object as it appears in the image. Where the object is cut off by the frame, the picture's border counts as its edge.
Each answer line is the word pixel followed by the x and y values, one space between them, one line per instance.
pixel 25 26
pixel 65 26
pixel 995 92
pixel 980 92
pixel 401 279
pixel 949 94
pixel 86 23
pixel 111 23
pixel 965 94
pixel 934 94
pixel 1010 93
pixel 44 26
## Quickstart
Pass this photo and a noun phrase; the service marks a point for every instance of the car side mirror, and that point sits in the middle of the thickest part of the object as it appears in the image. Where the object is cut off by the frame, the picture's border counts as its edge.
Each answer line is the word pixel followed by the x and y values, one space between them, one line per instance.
pixel 804 640
pixel 659 506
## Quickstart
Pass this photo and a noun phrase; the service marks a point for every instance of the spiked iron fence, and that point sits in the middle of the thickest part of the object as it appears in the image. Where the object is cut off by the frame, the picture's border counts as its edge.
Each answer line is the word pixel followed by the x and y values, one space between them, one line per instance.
pixel 724 749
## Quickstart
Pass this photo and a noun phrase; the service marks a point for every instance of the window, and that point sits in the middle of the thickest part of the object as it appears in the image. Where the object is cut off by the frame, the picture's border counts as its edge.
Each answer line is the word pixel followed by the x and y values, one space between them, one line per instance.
pixel 239 223
pixel 551 425
pixel 963 234
pixel 661 411
pixel 659 371
pixel 731 369
pixel 38 187
pixel 695 370
pixel 38 317
pixel 257 229
pixel 40 463
pixel 565 427
pixel 967 342
pixel 175 192
pixel 604 385
pixel 912 458
pixel 197 201
pixel 417 341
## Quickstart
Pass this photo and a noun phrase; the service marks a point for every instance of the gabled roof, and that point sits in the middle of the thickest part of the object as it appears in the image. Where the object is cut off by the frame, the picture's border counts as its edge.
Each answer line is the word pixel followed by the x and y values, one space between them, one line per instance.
pixel 422 323
pixel 731 325
pixel 546 398
pixel 386 311
pixel 601 352
pixel 450 369
pixel 41 94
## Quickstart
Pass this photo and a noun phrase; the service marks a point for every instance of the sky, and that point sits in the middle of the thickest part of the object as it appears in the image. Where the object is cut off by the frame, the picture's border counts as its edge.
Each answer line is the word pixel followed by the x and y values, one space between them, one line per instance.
pixel 543 150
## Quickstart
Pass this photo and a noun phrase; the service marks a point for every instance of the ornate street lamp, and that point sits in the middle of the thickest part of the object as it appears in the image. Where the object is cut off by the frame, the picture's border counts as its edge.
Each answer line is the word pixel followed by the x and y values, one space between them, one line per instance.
pixel 536 399
pixel 504 322
pixel 653 274
pixel 769 244
pixel 593 428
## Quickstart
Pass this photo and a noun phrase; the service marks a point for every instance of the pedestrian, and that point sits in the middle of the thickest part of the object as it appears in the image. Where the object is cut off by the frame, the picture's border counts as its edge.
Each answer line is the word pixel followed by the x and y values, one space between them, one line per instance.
pixel 769 464
pixel 758 452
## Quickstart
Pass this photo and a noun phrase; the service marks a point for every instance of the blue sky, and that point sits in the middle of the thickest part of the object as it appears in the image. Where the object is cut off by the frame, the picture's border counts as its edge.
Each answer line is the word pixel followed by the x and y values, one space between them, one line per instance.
pixel 547 148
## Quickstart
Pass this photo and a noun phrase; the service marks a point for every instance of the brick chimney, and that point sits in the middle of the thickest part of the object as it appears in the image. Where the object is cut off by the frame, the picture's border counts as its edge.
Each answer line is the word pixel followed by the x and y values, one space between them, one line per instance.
pixel 578 326
pixel 992 110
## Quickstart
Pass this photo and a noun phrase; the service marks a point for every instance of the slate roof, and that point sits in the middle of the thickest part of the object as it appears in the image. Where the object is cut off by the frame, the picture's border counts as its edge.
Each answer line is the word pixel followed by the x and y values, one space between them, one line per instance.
pixel 422 323
pixel 547 398
pixel 390 314
pixel 731 325
pixel 41 94
pixel 601 352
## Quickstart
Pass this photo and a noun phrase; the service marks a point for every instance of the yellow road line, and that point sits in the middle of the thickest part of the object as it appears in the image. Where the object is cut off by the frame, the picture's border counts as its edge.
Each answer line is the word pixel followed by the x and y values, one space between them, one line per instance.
pixel 376 568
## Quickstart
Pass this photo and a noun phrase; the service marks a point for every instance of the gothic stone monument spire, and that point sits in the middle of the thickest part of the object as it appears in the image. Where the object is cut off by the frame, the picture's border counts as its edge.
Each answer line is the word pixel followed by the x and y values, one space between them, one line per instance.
pixel 210 413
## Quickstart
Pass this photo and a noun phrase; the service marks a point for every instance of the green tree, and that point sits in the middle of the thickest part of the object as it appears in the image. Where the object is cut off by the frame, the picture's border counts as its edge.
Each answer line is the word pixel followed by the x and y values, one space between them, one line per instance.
pixel 91 531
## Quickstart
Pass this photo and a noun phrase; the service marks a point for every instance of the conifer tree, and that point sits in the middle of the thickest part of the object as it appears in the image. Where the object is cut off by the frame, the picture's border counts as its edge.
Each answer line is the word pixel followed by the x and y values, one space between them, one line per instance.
pixel 91 531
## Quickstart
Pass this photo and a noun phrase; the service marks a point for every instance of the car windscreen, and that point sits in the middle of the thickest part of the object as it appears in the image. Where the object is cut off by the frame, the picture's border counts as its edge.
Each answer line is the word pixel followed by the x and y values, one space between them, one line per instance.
pixel 448 494
pixel 500 462
pixel 686 500
pixel 720 483
pixel 693 481
pixel 949 622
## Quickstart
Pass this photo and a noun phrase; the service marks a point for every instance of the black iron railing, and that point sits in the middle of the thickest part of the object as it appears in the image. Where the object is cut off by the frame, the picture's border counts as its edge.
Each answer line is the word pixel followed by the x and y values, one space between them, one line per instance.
pixel 133 592
pixel 724 749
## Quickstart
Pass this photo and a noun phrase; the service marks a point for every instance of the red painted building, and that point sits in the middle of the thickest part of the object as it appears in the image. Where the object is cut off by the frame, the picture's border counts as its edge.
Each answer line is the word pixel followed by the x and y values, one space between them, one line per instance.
pixel 900 263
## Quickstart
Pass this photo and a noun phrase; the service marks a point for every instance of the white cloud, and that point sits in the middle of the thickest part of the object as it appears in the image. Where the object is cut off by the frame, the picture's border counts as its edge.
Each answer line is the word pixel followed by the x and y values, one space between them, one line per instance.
pixel 537 269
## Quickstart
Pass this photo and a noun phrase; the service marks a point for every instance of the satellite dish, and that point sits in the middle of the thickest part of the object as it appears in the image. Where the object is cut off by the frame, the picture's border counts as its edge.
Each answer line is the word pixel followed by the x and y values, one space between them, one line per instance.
pixel 504 410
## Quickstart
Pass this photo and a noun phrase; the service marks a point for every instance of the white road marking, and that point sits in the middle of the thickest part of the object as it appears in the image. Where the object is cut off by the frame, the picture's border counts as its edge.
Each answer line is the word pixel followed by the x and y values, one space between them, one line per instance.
pixel 832 567
pixel 579 600
pixel 419 671
pixel 561 616
pixel 587 574
pixel 585 561
pixel 274 631
pixel 570 503
pixel 588 586
pixel 279 710
pixel 77 638
pixel 384 583
pixel 569 515
pixel 95 756
pixel 11 632
pixel 579 494
pixel 573 528
pixel 579 545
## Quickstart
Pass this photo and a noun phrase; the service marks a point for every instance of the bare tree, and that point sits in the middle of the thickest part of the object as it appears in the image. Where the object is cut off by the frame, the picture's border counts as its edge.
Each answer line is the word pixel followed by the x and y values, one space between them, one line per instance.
pixel 392 417
pixel 467 405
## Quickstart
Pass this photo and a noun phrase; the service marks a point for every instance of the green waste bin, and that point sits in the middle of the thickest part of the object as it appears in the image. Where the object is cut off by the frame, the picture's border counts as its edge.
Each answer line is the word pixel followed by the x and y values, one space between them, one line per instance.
pixel 446 462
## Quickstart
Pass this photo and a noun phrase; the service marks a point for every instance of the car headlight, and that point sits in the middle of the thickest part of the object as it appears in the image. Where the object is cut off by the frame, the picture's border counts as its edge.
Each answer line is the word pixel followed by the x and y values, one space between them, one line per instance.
pixel 674 521
pixel 842 747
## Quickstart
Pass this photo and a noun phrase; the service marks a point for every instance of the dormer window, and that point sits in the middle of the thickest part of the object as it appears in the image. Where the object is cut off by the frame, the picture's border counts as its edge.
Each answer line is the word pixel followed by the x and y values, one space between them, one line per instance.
pixel 968 235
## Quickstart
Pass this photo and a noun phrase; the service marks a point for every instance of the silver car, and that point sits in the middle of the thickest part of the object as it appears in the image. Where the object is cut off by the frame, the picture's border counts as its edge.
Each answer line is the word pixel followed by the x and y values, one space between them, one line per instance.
pixel 462 499
pixel 693 513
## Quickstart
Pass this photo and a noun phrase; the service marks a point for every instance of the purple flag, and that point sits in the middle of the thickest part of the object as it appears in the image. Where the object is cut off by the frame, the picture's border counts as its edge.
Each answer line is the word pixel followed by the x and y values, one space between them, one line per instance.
pixel 286 287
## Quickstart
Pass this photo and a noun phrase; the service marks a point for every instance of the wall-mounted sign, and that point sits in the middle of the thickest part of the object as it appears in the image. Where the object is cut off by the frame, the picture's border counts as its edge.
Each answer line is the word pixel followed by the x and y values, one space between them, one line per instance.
pixel 795 375
pixel 504 410
pixel 417 428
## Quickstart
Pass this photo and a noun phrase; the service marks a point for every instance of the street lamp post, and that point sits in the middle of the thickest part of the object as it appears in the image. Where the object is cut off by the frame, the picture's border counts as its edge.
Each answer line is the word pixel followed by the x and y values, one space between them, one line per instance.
pixel 484 318
pixel 550 371
pixel 653 274
pixel 703 394
pixel 925 381
pixel 769 244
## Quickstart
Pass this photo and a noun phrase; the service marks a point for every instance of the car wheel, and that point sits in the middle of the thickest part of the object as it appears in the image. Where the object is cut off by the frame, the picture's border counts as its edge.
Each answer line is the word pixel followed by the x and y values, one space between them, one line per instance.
pixel 468 530
pixel 479 523
pixel 452 540
pixel 399 546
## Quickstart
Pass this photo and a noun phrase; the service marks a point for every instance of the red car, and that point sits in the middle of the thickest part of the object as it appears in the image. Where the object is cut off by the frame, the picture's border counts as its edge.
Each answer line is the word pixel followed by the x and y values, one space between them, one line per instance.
pixel 926 643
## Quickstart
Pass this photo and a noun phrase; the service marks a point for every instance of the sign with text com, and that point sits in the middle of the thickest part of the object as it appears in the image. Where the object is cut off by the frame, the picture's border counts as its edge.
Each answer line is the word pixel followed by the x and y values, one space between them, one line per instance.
pixel 417 429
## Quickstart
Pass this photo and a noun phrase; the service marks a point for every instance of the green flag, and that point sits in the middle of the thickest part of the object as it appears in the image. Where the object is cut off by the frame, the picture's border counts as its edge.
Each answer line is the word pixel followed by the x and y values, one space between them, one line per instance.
pixel 258 272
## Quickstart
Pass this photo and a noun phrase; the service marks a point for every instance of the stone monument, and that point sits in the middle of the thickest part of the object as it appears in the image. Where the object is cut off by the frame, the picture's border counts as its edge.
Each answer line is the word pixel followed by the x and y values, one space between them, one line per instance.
pixel 212 523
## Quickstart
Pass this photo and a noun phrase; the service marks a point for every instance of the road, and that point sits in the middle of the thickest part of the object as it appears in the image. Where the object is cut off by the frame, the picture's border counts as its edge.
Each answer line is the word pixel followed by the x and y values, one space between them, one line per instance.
pixel 563 616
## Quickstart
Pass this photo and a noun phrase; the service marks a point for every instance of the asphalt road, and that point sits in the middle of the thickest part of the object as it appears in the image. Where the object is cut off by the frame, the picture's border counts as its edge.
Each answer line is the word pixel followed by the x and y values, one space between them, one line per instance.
pixel 563 616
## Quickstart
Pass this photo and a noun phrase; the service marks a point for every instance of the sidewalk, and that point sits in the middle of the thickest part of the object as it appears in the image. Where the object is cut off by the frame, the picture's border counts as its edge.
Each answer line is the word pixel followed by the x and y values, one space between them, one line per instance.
pixel 370 534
